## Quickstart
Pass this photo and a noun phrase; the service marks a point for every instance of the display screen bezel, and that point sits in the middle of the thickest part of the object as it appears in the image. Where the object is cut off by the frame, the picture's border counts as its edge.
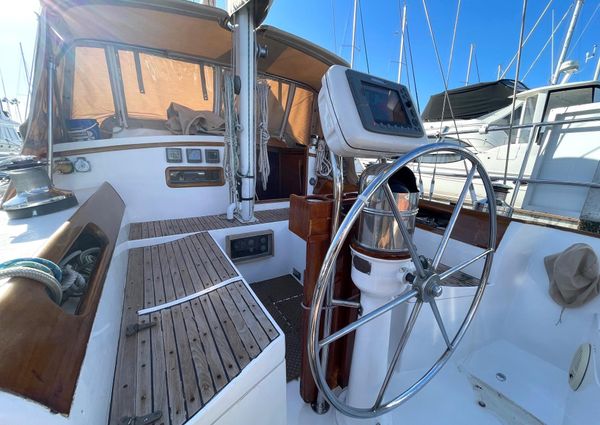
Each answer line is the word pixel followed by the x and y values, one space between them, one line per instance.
pixel 412 127
pixel 193 151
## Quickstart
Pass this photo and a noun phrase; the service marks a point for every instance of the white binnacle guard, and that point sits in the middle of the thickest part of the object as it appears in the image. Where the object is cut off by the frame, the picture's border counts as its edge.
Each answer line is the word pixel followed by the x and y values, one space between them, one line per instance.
pixel 349 121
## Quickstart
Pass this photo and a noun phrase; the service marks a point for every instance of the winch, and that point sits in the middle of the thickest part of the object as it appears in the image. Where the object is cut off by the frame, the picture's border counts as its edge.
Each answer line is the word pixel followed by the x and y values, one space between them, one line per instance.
pixel 35 193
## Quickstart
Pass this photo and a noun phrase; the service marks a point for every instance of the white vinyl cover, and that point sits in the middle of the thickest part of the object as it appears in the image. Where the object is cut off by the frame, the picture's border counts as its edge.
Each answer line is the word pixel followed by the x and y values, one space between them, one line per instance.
pixel 342 126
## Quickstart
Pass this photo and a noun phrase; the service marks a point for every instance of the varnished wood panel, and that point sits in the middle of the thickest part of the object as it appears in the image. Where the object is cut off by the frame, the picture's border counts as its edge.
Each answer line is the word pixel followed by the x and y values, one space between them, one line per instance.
pixel 472 227
pixel 41 346
pixel 310 220
pixel 195 348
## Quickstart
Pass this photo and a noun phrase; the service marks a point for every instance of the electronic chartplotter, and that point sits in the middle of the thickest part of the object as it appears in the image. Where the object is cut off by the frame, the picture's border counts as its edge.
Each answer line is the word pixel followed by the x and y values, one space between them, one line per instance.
pixel 366 116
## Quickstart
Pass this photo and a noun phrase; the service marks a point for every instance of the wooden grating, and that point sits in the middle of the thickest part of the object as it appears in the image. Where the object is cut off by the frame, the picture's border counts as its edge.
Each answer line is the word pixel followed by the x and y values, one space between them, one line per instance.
pixel 458 279
pixel 193 349
pixel 177 226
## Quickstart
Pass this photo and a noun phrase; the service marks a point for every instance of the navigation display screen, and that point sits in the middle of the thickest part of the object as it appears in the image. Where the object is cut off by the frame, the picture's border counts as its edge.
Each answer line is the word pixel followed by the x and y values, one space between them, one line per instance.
pixel 385 105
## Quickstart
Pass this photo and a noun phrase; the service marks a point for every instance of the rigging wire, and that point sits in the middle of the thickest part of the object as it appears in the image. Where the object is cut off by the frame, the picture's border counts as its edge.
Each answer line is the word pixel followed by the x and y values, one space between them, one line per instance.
pixel 584 29
pixel 362 27
pixel 529 34
pixel 547 42
pixel 344 33
pixel 477 68
pixel 514 99
pixel 446 97
pixel 439 63
pixel 412 67
pixel 407 75
pixel 333 25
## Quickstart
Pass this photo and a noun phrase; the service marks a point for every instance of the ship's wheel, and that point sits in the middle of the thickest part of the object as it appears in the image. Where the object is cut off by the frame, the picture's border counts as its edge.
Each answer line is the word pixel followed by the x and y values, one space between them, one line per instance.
pixel 425 285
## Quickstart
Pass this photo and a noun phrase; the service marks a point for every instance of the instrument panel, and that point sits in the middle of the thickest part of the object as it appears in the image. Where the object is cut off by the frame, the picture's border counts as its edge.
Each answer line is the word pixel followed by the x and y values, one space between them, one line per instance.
pixel 193 155
pixel 366 116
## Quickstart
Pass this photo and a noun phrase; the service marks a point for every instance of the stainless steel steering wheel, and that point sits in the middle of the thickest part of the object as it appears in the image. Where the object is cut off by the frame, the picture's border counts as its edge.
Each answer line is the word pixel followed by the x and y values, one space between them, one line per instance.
pixel 425 287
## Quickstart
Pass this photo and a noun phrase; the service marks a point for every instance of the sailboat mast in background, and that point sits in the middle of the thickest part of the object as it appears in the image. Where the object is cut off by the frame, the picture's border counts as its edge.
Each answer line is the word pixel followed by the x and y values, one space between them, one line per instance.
pixel 402 31
pixel 567 42
pixel 353 33
pixel 471 49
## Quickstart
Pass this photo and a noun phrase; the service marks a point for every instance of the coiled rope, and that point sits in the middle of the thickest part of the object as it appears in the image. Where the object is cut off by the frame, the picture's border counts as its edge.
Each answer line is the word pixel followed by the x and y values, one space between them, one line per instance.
pixel 68 279
pixel 264 168
pixel 38 269
pixel 323 165
pixel 232 128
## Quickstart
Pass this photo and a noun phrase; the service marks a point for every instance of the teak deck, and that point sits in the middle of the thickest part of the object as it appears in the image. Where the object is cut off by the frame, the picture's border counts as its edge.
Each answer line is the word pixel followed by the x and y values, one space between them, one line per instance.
pixel 183 355
pixel 177 226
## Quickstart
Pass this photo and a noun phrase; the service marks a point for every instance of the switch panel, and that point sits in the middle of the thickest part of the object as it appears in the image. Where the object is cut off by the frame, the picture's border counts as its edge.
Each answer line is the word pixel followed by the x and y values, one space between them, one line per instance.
pixel 250 246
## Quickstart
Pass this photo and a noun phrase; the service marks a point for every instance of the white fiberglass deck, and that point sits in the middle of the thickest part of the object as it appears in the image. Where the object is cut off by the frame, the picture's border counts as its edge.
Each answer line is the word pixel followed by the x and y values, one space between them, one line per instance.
pixel 449 399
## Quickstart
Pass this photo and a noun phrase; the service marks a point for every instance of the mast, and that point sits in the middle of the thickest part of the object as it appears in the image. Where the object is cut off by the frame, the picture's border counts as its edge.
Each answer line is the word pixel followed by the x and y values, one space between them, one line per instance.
pixel 403 29
pixel 567 42
pixel 597 71
pixel 245 68
pixel 353 34
pixel 552 47
pixel 472 47
pixel 5 98
pixel 25 65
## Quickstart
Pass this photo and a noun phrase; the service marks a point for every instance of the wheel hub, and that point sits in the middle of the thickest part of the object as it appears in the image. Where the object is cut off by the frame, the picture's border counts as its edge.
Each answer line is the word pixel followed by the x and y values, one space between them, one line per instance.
pixel 429 287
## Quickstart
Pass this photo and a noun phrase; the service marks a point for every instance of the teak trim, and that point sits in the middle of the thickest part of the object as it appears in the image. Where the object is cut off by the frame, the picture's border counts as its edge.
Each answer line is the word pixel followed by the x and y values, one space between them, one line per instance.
pixel 125 147
pixel 42 347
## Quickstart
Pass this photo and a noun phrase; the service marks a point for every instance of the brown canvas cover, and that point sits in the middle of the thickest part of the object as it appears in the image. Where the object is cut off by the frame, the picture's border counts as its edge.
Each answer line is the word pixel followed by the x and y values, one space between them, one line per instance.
pixel 183 120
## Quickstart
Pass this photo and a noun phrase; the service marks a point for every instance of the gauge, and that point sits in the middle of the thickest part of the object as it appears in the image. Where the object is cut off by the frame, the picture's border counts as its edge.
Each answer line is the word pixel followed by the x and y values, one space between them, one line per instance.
pixel 212 156
pixel 64 166
pixel 194 155
pixel 82 165
pixel 174 155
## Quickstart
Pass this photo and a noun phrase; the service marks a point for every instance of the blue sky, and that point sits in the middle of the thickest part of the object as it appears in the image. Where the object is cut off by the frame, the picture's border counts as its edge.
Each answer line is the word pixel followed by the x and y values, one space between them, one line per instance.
pixel 493 25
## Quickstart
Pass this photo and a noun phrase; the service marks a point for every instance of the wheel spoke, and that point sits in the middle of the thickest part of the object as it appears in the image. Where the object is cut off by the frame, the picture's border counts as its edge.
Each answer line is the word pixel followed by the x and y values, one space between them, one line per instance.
pixel 401 344
pixel 464 264
pixel 412 249
pixel 438 319
pixel 405 296
pixel 453 218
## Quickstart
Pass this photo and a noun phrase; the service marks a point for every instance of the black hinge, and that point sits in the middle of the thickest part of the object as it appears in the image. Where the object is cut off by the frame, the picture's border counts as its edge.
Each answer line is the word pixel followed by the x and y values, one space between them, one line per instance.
pixel 136 327
pixel 150 418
